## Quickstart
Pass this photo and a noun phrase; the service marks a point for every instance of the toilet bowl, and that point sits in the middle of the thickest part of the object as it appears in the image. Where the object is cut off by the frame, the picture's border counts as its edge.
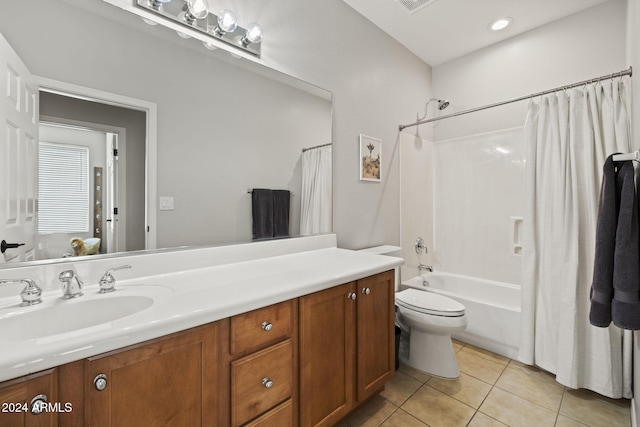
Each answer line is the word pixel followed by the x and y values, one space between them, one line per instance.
pixel 431 319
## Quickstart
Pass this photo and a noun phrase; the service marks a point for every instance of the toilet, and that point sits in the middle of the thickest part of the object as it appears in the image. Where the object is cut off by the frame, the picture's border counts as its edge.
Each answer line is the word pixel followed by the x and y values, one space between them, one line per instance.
pixel 429 319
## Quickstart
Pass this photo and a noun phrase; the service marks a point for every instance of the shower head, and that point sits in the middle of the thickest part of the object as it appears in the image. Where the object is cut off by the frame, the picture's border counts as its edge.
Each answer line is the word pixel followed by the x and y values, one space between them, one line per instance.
pixel 442 104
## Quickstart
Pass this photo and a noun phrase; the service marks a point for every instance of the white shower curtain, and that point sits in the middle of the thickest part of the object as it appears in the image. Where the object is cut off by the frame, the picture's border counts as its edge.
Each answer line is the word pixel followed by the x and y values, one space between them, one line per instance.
pixel 316 204
pixel 567 139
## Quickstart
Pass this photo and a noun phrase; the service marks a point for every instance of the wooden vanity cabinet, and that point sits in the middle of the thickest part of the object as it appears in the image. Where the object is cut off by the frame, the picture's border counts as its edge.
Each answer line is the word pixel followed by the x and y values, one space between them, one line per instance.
pixel 308 361
pixel 346 347
pixel 16 397
pixel 166 382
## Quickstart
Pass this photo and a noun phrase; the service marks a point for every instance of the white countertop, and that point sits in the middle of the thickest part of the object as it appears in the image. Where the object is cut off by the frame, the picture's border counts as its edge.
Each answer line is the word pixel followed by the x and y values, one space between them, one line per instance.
pixel 183 300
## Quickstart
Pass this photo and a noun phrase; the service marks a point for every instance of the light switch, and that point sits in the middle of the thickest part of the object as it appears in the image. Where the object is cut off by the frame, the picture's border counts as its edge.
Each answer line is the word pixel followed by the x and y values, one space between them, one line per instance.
pixel 166 203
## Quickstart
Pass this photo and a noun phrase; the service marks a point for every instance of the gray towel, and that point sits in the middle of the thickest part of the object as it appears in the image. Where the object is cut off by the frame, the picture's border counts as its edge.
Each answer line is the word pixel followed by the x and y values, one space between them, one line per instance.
pixel 626 266
pixel 602 285
pixel 262 212
pixel 281 202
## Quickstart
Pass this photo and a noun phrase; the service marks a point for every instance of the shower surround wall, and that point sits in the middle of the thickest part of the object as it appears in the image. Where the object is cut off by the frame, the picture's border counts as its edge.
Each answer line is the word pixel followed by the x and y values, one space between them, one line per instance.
pixel 562 52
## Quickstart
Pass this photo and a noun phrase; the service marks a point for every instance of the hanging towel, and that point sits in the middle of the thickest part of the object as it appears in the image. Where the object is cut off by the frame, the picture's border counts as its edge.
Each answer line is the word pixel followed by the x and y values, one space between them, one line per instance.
pixel 262 212
pixel 281 203
pixel 602 285
pixel 625 310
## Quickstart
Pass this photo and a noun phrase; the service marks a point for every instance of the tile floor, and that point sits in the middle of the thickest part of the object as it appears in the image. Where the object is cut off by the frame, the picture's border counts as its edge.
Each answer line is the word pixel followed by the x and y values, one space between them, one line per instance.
pixel 492 391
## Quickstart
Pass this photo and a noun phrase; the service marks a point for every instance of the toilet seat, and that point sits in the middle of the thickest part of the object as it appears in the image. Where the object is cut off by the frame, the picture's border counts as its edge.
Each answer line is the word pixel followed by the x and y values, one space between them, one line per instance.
pixel 429 303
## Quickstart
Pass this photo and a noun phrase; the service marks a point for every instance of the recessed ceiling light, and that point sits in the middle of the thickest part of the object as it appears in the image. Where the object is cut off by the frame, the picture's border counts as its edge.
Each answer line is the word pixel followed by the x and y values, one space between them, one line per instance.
pixel 500 24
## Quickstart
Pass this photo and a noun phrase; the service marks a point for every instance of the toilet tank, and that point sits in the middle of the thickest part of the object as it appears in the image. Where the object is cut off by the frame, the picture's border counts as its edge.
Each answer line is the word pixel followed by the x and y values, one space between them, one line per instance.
pixel 388 250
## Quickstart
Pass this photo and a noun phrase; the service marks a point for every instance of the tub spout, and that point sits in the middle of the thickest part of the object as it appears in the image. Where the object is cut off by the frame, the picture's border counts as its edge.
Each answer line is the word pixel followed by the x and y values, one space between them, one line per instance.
pixel 422 267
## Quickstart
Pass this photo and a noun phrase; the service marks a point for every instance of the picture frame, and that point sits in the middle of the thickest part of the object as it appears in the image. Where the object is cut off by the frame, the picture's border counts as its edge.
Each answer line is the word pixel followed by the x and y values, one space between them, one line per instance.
pixel 370 158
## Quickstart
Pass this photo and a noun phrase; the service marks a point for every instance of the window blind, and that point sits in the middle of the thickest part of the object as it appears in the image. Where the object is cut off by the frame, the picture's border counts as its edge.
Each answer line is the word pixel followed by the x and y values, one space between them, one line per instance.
pixel 63 205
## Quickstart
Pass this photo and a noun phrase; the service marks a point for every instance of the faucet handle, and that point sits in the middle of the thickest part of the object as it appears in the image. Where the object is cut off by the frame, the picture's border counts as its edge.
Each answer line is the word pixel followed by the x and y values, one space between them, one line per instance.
pixel 108 282
pixel 31 294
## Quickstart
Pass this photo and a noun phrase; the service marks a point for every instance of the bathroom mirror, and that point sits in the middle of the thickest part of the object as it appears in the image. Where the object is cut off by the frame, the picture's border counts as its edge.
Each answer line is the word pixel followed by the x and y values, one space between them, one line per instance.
pixel 225 125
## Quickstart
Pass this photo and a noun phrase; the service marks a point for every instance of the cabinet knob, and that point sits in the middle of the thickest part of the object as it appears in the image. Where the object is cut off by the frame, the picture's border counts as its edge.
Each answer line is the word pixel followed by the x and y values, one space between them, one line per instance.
pixel 366 291
pixel 352 295
pixel 267 326
pixel 100 382
pixel 38 404
pixel 267 383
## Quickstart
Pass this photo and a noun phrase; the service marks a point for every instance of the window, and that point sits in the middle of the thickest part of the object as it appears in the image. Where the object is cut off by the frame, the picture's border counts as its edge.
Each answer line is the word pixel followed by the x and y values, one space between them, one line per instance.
pixel 63 205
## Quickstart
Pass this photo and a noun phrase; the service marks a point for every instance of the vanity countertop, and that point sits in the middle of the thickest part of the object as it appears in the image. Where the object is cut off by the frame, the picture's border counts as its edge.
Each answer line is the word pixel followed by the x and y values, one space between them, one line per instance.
pixel 182 300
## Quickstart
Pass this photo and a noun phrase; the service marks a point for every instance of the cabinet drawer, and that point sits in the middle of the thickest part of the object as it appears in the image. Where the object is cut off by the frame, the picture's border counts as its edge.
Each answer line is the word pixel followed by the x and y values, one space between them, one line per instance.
pixel 259 327
pixel 280 416
pixel 251 392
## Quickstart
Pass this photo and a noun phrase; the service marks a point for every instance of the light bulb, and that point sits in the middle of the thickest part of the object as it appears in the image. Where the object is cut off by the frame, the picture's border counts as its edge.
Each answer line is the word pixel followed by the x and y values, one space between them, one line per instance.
pixel 198 8
pixel 252 35
pixel 157 4
pixel 227 22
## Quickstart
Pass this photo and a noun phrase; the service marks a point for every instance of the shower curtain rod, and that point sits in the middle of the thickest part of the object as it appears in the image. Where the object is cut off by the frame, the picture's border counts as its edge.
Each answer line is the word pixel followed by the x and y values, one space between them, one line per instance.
pixel 317 146
pixel 626 72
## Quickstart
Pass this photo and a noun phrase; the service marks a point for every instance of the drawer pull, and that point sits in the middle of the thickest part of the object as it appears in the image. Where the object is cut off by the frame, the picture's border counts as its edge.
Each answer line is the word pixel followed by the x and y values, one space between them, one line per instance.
pixel 267 383
pixel 366 291
pixel 352 295
pixel 100 382
pixel 267 326
pixel 38 404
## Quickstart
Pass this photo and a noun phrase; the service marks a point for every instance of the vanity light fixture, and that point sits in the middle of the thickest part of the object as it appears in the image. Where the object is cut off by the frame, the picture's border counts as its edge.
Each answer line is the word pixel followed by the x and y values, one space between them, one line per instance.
pixel 195 15
pixel 500 24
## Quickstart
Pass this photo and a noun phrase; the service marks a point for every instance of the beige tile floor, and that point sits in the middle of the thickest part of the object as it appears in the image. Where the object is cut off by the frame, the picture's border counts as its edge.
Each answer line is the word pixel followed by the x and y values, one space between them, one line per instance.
pixel 492 391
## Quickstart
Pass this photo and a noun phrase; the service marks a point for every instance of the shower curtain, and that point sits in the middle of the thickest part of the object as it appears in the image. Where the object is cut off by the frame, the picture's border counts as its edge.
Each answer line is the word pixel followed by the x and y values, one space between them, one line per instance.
pixel 567 139
pixel 316 204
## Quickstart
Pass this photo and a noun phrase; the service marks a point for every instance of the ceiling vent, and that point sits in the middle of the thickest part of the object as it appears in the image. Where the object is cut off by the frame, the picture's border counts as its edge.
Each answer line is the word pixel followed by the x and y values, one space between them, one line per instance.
pixel 414 5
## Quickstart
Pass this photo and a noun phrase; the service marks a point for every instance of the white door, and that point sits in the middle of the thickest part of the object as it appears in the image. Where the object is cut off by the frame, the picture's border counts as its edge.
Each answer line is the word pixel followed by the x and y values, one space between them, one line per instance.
pixel 18 156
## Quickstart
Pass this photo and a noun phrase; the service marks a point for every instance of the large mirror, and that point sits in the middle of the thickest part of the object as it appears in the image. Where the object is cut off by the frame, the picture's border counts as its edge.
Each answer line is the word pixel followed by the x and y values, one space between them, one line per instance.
pixel 222 127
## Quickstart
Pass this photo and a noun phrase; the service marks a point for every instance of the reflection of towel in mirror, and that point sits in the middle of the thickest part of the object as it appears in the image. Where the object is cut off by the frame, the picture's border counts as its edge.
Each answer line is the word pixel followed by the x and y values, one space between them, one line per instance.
pixel 262 212
pixel 625 309
pixel 281 202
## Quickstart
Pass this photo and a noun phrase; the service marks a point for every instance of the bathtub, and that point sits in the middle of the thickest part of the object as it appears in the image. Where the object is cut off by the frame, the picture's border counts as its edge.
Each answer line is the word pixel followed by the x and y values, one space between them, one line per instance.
pixel 492 309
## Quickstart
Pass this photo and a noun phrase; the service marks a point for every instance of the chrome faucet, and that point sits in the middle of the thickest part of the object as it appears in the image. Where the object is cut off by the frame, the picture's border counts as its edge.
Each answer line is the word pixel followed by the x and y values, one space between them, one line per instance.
pixel 31 294
pixel 71 284
pixel 108 282
pixel 422 267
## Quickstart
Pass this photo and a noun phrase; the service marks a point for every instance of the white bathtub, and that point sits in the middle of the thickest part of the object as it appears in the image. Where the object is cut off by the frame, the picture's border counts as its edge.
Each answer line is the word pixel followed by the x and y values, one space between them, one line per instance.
pixel 492 309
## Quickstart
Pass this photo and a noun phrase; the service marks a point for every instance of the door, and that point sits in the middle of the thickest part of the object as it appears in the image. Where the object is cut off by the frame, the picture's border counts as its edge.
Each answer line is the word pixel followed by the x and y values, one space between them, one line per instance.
pixel 31 401
pixel 327 355
pixel 171 381
pixel 113 229
pixel 18 156
pixel 375 334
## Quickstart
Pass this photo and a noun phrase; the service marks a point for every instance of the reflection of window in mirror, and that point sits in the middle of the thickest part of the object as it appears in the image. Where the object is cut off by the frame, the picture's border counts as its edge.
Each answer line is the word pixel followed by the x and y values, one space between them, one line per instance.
pixel 63 188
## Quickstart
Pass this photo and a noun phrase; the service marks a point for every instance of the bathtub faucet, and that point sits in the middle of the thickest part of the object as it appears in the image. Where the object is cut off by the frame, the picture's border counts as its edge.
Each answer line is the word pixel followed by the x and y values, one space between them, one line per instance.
pixel 422 267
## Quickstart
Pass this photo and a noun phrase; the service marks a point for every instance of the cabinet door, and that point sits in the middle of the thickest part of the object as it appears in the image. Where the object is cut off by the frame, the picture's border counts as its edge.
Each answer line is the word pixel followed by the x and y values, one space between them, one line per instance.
pixel 167 382
pixel 376 345
pixel 327 350
pixel 16 396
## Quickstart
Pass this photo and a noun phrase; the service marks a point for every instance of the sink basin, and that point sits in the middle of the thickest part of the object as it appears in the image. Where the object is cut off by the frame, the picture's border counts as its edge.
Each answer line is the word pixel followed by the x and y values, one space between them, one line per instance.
pixel 66 316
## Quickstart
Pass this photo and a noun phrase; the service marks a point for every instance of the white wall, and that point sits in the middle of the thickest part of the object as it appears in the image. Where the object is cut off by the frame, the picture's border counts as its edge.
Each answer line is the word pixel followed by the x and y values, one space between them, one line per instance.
pixel 588 44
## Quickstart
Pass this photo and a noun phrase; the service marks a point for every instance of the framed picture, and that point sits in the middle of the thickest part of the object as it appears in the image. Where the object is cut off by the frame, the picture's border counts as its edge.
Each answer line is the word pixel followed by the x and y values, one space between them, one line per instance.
pixel 370 158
